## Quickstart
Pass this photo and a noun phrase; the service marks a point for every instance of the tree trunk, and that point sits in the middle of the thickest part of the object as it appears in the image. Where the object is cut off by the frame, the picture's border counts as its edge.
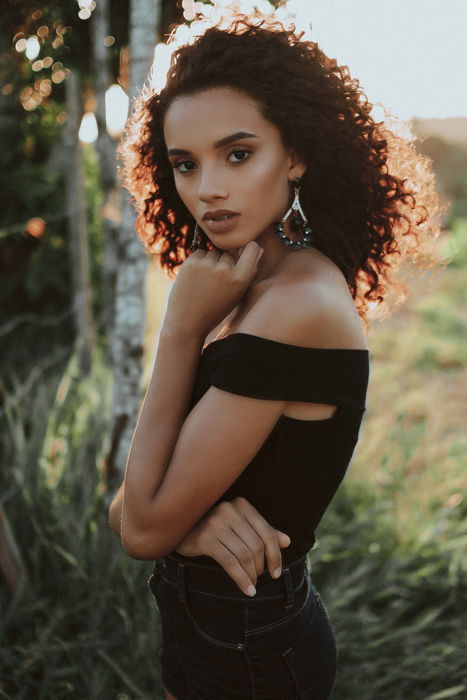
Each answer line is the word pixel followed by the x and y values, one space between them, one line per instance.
pixel 106 149
pixel 130 308
pixel 76 214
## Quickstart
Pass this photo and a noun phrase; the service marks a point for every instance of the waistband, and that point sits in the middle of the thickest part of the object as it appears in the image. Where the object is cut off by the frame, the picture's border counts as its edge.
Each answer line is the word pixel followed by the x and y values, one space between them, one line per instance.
pixel 214 579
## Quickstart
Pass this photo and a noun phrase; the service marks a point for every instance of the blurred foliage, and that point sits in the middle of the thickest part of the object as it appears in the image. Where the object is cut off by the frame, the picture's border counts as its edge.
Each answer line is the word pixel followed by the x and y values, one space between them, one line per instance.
pixel 450 165
pixel 390 557
pixel 78 626
pixel 94 203
pixel 389 561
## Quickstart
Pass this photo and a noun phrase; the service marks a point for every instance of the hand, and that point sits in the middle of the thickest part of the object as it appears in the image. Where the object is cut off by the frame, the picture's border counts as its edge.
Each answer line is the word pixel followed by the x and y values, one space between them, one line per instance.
pixel 209 286
pixel 238 538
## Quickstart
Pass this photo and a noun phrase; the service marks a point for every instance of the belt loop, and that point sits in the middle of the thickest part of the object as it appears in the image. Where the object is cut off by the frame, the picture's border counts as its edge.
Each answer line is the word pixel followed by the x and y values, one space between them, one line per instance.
pixel 181 581
pixel 287 577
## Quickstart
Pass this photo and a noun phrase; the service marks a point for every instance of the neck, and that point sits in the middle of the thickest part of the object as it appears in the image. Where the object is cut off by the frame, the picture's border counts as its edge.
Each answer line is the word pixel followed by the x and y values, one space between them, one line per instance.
pixel 276 257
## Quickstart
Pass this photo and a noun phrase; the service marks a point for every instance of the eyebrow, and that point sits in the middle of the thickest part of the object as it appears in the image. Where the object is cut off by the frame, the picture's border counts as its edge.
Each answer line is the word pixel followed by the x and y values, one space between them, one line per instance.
pixel 218 144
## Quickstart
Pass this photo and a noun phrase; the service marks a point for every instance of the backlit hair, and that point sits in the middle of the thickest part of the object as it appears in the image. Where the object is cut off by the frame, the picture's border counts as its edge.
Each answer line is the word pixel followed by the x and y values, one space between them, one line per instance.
pixel 368 195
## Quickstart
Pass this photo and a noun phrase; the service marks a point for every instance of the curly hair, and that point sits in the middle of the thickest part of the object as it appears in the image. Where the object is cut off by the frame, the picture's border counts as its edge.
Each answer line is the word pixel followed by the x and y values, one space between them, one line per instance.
pixel 369 196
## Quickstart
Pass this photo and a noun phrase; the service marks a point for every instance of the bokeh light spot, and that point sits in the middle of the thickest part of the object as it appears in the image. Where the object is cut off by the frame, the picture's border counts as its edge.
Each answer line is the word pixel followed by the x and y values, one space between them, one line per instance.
pixel 88 131
pixel 20 45
pixel 58 76
pixel 116 109
pixel 35 227
pixel 32 47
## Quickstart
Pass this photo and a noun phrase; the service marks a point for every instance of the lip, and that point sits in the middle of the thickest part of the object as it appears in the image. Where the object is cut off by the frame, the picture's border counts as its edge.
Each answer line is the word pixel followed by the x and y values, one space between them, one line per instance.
pixel 217 212
pixel 222 226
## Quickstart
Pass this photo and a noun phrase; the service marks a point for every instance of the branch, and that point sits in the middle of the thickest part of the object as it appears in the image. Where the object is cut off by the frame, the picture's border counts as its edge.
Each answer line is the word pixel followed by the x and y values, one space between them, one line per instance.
pixel 34 376
pixel 34 318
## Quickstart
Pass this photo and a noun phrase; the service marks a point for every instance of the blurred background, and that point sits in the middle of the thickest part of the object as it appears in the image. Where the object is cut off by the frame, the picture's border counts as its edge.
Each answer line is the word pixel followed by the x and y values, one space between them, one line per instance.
pixel 80 309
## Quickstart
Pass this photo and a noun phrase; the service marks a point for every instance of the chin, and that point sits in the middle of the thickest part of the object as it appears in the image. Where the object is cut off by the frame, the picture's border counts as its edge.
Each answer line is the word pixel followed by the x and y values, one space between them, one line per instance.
pixel 229 246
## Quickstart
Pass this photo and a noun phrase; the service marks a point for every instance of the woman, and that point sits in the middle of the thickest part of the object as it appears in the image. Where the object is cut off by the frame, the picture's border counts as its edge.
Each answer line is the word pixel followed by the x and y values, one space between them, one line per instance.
pixel 259 172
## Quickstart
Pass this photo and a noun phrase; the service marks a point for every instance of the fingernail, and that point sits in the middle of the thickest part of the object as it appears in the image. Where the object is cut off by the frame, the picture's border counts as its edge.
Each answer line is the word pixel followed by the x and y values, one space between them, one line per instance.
pixel 277 572
pixel 251 590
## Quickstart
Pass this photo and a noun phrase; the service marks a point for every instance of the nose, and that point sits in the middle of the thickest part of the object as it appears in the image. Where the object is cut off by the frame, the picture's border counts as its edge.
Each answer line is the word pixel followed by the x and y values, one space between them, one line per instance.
pixel 211 185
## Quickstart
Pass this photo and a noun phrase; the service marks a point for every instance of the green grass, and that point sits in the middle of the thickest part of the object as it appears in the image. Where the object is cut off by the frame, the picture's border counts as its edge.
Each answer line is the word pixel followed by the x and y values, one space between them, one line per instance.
pixel 389 562
pixel 83 625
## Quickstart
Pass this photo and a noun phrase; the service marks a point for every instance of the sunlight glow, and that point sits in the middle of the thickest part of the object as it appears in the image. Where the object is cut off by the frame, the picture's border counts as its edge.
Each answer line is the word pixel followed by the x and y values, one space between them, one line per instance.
pixel 116 110
pixel 161 63
pixel 88 132
pixel 202 16
pixel 408 55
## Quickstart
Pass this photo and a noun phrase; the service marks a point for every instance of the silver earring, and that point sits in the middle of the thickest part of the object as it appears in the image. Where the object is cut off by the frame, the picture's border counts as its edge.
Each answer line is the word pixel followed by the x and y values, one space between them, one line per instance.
pixel 297 212
pixel 196 238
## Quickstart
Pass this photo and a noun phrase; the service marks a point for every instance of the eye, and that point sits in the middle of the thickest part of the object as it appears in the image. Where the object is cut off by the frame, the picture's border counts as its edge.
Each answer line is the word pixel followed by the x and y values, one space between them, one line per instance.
pixel 241 154
pixel 184 166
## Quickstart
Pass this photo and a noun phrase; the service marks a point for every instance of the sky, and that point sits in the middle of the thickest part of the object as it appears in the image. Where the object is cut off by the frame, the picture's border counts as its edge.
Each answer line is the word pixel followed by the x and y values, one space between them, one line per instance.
pixel 410 55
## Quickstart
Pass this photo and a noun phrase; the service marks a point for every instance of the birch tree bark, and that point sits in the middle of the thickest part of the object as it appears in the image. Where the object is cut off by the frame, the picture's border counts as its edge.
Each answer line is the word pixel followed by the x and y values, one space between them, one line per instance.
pixel 76 214
pixel 130 307
pixel 106 151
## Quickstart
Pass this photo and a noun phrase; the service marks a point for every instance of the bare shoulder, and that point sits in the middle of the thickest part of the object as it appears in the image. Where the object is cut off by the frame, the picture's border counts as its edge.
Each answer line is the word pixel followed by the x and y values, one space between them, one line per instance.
pixel 313 308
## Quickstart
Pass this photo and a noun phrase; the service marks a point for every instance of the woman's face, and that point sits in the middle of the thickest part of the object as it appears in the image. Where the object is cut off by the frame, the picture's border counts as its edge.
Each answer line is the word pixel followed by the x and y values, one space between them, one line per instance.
pixel 231 169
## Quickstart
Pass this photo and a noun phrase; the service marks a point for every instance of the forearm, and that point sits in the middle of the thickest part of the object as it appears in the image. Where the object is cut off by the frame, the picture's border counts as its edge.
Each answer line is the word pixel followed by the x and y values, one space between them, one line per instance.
pixel 161 418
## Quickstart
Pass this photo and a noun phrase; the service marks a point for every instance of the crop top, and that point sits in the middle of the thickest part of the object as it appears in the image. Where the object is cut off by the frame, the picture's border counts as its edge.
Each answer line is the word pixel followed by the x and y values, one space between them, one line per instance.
pixel 298 469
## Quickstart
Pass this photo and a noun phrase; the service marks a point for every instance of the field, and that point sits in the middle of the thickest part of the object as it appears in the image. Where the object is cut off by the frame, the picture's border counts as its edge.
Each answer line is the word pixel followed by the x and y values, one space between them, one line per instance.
pixel 390 559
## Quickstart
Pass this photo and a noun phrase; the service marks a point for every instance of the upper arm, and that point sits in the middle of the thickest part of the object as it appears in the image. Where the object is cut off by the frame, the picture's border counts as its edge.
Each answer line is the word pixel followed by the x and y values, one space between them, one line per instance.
pixel 115 510
pixel 218 439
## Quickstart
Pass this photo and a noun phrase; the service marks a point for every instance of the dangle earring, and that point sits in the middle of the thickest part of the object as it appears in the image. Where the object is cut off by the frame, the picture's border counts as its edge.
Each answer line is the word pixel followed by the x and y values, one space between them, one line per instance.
pixel 196 238
pixel 299 220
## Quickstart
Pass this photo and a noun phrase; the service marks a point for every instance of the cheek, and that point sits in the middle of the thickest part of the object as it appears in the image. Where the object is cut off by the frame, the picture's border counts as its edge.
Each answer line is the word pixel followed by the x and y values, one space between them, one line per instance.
pixel 185 193
pixel 269 184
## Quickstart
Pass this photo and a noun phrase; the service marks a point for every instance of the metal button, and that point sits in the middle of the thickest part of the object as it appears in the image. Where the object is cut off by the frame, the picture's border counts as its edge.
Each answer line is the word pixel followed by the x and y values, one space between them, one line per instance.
pixel 240 647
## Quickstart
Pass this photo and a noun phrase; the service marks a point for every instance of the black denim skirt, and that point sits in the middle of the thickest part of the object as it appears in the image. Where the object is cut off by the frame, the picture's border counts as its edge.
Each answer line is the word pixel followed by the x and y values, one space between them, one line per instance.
pixel 220 644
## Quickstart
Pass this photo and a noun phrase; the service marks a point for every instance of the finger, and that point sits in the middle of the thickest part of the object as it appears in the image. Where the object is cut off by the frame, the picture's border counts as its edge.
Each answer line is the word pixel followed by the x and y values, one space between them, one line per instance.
pixel 241 538
pixel 213 254
pixel 251 546
pixel 236 252
pixel 228 257
pixel 232 566
pixel 250 557
pixel 268 535
pixel 198 253
pixel 235 533
pixel 249 258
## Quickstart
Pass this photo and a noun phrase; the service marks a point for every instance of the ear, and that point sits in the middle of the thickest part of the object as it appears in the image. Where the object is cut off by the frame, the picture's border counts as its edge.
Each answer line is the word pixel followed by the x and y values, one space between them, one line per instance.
pixel 297 167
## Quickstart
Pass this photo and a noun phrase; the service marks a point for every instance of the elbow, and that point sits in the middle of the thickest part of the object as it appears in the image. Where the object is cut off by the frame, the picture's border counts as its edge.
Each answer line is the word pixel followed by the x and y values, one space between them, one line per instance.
pixel 114 522
pixel 139 546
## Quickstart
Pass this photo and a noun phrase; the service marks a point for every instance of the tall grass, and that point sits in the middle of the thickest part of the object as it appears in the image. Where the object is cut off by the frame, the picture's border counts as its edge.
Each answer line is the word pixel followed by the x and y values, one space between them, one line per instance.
pixel 83 624
pixel 389 563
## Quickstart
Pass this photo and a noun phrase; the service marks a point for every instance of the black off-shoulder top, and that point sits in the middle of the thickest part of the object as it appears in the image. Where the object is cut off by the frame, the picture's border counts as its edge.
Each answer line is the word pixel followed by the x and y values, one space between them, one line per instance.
pixel 295 474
